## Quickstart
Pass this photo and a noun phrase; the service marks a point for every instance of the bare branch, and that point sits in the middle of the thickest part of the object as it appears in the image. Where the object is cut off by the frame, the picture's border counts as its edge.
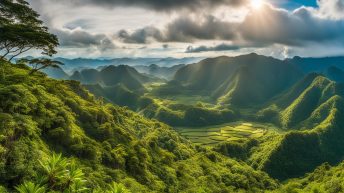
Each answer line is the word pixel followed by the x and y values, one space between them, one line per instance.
pixel 20 52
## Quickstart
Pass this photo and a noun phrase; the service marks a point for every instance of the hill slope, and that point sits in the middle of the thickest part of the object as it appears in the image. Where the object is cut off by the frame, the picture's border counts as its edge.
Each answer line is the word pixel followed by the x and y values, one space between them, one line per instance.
pixel 113 75
pixel 308 65
pixel 40 115
pixel 335 74
pixel 242 80
pixel 317 112
pixel 325 179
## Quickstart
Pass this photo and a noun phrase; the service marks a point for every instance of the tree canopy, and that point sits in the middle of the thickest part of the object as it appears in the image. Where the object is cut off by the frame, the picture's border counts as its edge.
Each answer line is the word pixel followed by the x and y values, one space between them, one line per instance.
pixel 38 64
pixel 21 30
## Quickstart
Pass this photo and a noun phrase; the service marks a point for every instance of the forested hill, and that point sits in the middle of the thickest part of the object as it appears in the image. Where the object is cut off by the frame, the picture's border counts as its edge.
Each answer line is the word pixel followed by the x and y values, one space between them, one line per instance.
pixel 113 75
pixel 41 116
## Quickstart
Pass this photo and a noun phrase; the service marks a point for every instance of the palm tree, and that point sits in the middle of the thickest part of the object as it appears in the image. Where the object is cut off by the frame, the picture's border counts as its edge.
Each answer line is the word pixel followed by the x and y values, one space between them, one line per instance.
pixel 74 180
pixel 117 188
pixel 30 187
pixel 59 175
pixel 55 169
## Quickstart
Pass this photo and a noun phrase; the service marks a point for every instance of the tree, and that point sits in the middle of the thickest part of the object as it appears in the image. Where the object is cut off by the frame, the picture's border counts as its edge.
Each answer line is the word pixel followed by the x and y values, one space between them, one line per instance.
pixel 30 187
pixel 117 188
pixel 38 64
pixel 63 175
pixel 59 174
pixel 21 30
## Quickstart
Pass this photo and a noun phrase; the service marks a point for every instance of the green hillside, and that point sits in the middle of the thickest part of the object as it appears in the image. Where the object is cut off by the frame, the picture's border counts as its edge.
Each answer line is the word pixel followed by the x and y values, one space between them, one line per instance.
pixel 40 116
pixel 306 103
pixel 242 80
pixel 56 73
pixel 318 112
pixel 113 75
pixel 325 179
pixel 245 124
pixel 117 94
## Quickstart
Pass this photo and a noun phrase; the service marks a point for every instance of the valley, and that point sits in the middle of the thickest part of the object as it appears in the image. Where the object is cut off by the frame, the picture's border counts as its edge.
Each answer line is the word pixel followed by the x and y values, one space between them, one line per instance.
pixel 161 96
pixel 232 132
pixel 238 106
pixel 285 132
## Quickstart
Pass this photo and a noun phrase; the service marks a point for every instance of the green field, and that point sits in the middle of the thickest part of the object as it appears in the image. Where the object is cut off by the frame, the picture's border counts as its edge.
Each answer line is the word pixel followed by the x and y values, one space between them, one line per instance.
pixel 212 135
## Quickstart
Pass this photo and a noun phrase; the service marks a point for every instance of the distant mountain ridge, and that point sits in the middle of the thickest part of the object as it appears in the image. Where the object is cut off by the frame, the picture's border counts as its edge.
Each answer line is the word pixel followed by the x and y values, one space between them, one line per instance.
pixel 77 63
pixel 317 64
pixel 159 71
pixel 113 75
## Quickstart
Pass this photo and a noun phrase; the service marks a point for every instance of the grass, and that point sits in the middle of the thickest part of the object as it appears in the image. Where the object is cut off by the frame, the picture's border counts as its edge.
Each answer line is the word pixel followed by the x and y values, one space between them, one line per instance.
pixel 212 135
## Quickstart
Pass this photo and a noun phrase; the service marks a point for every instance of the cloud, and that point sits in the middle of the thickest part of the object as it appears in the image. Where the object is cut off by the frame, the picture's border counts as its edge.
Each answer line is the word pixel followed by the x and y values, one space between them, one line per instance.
pixel 165 46
pixel 332 8
pixel 297 28
pixel 84 23
pixel 79 23
pixel 161 5
pixel 140 36
pixel 220 47
pixel 187 29
pixel 263 27
pixel 79 38
pixel 183 29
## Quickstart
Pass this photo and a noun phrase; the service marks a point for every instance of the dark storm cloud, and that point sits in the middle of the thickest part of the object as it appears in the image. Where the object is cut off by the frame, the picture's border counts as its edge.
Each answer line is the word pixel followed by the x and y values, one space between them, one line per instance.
pixel 183 29
pixel 163 5
pixel 79 38
pixel 140 36
pixel 221 47
pixel 260 28
pixel 165 46
pixel 188 29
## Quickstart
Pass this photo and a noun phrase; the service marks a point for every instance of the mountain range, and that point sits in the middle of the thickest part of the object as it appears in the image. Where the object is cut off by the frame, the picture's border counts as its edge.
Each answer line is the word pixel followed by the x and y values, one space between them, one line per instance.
pixel 305 104
pixel 79 63
pixel 300 107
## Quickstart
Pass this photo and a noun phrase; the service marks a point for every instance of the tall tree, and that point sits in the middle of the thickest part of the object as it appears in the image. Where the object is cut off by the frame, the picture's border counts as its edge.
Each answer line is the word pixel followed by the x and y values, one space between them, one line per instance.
pixel 21 30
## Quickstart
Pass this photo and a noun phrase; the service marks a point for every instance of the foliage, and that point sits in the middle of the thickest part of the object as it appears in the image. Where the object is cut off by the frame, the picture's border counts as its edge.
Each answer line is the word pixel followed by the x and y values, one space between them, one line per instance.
pixel 40 64
pixel 62 175
pixel 29 187
pixel 325 179
pixel 21 30
pixel 40 116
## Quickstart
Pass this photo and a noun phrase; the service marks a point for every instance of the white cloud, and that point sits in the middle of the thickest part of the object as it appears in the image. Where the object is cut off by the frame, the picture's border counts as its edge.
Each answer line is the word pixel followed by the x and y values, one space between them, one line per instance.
pixel 332 8
pixel 86 30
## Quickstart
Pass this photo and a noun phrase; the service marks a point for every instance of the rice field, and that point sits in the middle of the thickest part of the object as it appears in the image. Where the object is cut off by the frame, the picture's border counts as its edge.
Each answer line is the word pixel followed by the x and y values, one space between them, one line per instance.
pixel 213 135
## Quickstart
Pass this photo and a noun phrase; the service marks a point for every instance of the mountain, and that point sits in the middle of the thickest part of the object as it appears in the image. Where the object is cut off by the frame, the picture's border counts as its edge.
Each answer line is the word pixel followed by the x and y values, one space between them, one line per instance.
pixel 119 95
pixel 242 80
pixel 335 73
pixel 318 92
pixel 313 112
pixel 82 63
pixel 112 76
pixel 325 178
pixel 319 65
pixel 56 73
pixel 41 116
pixel 158 71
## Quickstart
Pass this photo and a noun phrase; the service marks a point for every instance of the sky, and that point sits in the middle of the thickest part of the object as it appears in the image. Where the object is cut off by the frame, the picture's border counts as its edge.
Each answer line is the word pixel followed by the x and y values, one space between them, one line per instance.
pixel 194 28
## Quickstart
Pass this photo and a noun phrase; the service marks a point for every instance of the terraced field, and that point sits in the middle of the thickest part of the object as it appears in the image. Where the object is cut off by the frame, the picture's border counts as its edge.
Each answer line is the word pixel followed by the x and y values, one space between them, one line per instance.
pixel 213 135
